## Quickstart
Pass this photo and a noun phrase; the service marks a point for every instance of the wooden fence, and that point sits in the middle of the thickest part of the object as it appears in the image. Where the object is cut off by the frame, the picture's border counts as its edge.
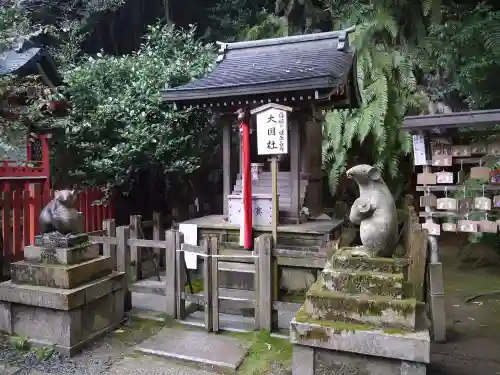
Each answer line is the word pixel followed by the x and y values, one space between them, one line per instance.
pixel 125 243
pixel 20 210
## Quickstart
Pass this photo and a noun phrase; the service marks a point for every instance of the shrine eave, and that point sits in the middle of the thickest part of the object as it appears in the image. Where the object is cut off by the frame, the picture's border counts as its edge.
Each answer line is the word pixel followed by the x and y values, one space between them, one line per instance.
pixel 315 67
pixel 439 123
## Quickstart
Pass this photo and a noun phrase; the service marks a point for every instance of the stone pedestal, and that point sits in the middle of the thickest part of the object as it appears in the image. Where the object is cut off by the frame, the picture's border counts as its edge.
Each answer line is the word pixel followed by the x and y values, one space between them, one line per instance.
pixel 357 319
pixel 63 294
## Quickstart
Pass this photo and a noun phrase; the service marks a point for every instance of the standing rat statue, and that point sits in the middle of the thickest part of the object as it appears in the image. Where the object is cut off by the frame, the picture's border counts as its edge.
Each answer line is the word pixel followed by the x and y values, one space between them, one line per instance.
pixel 60 215
pixel 374 211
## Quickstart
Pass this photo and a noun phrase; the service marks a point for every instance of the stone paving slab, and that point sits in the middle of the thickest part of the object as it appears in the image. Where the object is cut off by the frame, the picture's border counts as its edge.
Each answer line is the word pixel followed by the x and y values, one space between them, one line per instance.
pixel 152 366
pixel 221 352
pixel 7 369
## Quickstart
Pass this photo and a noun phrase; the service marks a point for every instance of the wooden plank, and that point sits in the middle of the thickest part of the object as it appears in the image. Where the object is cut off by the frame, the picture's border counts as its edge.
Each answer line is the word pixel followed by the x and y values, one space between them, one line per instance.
pixel 207 287
pixel 6 232
pixel 443 188
pixel 239 256
pixel 108 249
pixel 264 249
pixel 103 240
pixel 158 235
pixel 26 218
pixel 34 213
pixel 98 233
pixel 193 248
pixel 236 267
pixel 256 282
pixel 135 251
pixel 214 249
pixel 17 239
pixel 139 242
pixel 175 238
pixel 123 260
pixel 226 163
pixel 174 307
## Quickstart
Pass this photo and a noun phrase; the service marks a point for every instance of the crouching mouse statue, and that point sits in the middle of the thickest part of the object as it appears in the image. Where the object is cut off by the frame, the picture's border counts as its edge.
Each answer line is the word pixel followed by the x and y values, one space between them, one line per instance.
pixel 374 211
pixel 60 214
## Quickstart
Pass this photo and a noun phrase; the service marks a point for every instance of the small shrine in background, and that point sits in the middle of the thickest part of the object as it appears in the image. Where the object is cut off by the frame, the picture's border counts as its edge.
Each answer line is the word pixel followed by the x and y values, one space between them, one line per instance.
pixel 299 76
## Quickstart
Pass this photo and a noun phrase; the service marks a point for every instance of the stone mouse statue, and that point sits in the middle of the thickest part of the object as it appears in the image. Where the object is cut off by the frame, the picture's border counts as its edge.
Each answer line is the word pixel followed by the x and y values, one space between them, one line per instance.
pixel 374 211
pixel 60 214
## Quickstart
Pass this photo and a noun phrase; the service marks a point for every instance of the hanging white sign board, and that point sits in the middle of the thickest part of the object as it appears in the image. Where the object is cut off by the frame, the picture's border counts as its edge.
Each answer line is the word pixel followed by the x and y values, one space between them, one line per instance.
pixel 272 129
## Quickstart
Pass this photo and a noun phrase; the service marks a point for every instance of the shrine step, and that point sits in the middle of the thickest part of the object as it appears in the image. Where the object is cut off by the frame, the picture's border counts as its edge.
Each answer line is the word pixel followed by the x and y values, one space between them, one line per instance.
pixel 382 311
pixel 343 259
pixel 363 282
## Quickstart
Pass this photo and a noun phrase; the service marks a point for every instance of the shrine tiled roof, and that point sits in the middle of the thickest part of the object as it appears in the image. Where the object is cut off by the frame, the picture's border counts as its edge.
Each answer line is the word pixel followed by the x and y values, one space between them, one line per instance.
pixel 12 60
pixel 315 67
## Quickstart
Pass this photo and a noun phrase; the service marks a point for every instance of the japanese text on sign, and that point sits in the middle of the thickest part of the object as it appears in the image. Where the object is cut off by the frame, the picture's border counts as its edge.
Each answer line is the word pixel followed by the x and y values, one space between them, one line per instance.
pixel 272 133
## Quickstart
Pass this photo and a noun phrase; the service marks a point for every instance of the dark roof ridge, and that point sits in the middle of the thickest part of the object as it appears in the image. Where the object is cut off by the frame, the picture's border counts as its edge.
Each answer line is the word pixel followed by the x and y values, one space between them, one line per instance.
pixel 338 34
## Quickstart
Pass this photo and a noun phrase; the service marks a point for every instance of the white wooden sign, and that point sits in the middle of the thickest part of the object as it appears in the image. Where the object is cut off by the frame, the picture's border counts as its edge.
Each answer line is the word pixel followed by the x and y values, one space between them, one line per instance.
pixel 419 152
pixel 272 129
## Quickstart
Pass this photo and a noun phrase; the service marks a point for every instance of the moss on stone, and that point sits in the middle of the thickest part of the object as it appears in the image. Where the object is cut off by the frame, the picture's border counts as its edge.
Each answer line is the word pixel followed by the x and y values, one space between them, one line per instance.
pixel 338 327
pixel 340 303
pixel 343 260
pixel 365 282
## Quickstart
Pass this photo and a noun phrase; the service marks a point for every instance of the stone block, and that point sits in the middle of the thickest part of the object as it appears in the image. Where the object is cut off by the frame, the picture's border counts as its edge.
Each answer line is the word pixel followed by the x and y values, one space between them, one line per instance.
pixel 343 259
pixel 57 240
pixel 61 255
pixel 360 339
pixel 363 282
pixel 377 310
pixel 68 328
pixel 303 360
pixel 61 299
pixel 66 276
pixel 336 362
pixel 5 317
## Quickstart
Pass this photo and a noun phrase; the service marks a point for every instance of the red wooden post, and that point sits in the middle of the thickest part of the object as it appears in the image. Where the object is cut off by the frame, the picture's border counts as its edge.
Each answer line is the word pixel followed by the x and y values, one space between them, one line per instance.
pixel 86 211
pixel 246 185
pixel 98 209
pixel 7 236
pixel 35 209
pixel 17 239
pixel 46 159
pixel 26 217
pixel 95 209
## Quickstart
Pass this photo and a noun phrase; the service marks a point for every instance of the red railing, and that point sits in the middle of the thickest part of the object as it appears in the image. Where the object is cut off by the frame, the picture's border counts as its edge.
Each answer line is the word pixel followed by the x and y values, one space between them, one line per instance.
pixel 20 210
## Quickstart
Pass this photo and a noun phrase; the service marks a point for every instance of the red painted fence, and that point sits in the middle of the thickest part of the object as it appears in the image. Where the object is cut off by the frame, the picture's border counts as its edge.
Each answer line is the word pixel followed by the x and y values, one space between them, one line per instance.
pixel 20 210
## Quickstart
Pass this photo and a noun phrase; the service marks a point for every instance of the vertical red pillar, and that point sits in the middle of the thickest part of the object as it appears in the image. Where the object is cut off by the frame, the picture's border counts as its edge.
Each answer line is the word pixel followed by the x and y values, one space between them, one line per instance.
pixel 46 159
pixel 246 185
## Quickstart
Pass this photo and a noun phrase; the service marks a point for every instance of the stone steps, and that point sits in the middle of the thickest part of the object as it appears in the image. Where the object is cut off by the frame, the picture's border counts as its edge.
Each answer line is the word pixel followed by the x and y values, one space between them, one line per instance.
pixel 343 259
pixel 363 282
pixel 376 310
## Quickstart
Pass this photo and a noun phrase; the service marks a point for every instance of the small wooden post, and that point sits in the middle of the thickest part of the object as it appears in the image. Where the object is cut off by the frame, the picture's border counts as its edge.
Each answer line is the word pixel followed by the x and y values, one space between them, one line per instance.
pixel 207 285
pixel 108 249
pixel 175 272
pixel 274 183
pixel 136 253
pixel 6 233
pixel 157 236
pixel 265 289
pixel 123 261
pixel 172 239
pixel 214 250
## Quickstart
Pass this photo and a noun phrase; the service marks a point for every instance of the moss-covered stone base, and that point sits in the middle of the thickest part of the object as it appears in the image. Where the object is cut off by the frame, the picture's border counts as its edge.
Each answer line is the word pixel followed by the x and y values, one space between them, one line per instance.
pixel 360 338
pixel 343 259
pixel 377 310
pixel 364 282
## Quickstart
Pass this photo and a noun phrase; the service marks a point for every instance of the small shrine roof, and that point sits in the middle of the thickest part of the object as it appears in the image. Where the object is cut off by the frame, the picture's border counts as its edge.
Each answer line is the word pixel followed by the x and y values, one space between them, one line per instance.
pixel 438 123
pixel 316 67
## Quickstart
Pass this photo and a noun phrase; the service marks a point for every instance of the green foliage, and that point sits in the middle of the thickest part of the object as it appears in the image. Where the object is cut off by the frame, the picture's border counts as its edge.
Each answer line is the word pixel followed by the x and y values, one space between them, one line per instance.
pixel 118 125
pixel 465 52
pixel 385 70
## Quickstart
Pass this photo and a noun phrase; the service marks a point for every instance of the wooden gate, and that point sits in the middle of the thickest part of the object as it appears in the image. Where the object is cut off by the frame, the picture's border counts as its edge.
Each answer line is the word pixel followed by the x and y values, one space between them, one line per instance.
pixel 218 256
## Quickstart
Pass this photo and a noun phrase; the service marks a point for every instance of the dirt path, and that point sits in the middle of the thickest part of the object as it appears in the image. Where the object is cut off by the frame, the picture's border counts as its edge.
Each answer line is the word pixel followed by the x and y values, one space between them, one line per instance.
pixel 473 342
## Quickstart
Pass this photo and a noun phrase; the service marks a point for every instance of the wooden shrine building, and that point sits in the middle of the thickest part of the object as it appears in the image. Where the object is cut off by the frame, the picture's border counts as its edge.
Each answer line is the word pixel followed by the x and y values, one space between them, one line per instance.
pixel 308 73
